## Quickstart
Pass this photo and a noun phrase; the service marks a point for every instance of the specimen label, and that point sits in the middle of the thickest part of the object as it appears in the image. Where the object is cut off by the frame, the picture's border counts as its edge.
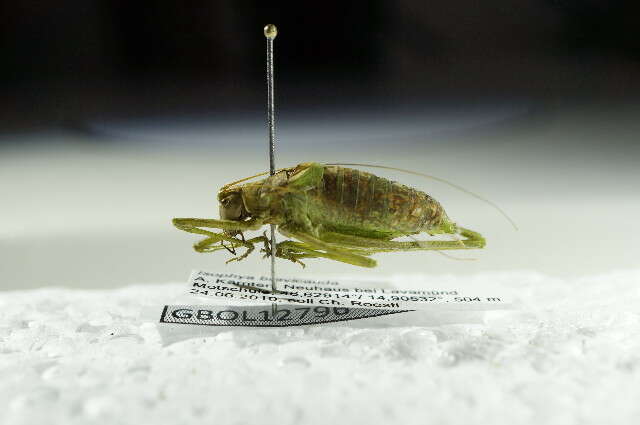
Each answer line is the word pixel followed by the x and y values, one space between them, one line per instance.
pixel 264 316
pixel 249 289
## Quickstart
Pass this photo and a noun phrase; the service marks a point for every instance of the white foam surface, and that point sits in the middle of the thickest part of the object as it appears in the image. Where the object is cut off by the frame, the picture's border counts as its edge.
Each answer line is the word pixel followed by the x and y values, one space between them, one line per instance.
pixel 569 354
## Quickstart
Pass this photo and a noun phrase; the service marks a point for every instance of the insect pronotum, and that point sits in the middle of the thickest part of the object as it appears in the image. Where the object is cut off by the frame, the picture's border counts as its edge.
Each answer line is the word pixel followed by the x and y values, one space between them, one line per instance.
pixel 328 211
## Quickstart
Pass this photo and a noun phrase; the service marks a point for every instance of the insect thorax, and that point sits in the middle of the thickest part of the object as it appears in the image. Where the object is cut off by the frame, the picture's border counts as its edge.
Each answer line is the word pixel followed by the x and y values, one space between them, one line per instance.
pixel 263 199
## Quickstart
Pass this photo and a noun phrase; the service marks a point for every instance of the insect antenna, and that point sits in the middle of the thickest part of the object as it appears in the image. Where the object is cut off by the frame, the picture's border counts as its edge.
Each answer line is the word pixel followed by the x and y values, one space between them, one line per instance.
pixel 439 179
pixel 451 257
pixel 228 185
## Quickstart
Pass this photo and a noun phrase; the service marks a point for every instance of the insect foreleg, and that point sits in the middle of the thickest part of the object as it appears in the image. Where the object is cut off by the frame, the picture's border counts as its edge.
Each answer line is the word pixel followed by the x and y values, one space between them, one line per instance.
pixel 195 225
pixel 210 244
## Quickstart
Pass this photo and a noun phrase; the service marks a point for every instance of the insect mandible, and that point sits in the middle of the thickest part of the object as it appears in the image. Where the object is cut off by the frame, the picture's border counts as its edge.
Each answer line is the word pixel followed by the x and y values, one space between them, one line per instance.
pixel 329 211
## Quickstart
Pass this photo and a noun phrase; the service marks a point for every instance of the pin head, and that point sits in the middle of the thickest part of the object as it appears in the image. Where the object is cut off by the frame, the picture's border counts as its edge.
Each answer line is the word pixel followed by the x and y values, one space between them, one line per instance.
pixel 270 31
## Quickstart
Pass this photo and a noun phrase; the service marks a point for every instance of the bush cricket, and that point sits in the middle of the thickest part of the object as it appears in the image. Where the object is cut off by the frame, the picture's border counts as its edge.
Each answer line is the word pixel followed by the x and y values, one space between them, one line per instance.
pixel 329 211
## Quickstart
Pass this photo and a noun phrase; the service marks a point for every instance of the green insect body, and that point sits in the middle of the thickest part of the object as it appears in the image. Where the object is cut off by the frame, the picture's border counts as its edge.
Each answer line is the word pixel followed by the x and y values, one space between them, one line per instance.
pixel 328 211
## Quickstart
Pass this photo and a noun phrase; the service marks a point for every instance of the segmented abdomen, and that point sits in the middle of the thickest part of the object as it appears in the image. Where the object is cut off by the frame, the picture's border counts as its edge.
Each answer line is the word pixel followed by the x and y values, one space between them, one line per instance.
pixel 349 197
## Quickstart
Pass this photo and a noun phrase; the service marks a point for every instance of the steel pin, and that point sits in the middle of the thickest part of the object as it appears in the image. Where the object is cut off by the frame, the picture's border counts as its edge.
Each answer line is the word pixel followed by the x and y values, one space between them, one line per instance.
pixel 270 32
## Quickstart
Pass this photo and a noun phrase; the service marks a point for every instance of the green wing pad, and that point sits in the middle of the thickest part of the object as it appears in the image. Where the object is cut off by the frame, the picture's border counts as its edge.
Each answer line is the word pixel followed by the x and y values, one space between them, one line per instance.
pixel 308 178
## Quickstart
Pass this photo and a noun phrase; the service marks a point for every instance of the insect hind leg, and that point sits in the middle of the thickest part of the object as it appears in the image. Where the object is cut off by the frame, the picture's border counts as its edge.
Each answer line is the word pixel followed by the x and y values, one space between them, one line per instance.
pixel 315 247
pixel 473 240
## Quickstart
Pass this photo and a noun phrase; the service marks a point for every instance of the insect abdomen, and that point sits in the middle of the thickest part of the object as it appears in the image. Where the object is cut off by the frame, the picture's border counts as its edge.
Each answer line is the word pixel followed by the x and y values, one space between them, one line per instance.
pixel 349 197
